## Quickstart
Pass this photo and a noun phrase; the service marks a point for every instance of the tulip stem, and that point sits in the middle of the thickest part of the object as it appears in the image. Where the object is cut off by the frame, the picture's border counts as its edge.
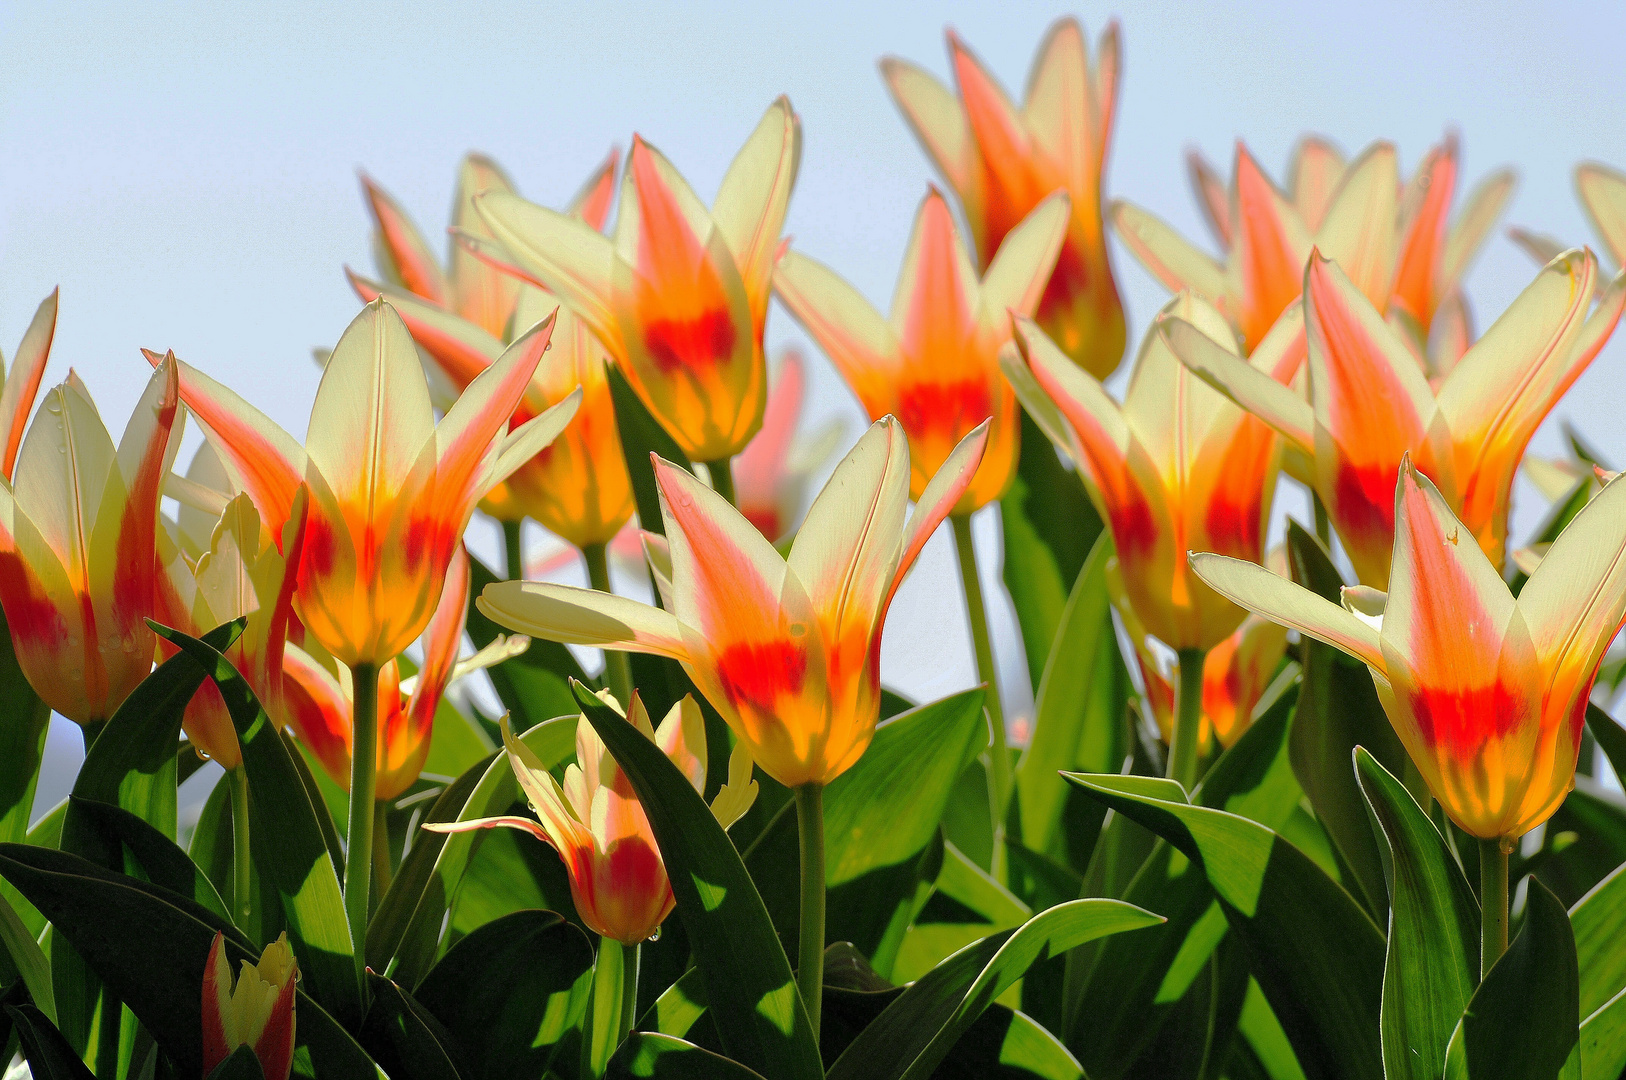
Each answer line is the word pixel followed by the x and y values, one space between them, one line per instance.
pixel 382 872
pixel 512 550
pixel 722 479
pixel 1188 719
pixel 358 863
pixel 810 955
pixel 999 771
pixel 1492 904
pixel 617 670
pixel 242 881
pixel 629 992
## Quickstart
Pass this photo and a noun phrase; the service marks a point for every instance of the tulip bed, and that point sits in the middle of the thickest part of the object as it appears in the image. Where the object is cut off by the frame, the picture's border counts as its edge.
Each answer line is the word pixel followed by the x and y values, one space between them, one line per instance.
pixel 1342 807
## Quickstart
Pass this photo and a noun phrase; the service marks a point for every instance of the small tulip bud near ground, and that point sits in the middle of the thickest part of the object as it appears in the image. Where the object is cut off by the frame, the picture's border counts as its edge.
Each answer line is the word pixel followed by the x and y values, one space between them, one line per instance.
pixel 257 1012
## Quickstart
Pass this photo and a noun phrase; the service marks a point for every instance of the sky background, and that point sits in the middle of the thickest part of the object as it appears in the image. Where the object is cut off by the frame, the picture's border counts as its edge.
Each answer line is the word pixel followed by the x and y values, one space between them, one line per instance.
pixel 187 172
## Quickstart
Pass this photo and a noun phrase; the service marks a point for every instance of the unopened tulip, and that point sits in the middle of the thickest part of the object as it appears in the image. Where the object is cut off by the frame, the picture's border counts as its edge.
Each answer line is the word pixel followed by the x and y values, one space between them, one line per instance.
pixel 788 652
pixel 1003 161
pixel 1488 693
pixel 678 294
pixel 597 825
pixel 78 547
pixel 935 363
pixel 1370 403
pixel 257 1012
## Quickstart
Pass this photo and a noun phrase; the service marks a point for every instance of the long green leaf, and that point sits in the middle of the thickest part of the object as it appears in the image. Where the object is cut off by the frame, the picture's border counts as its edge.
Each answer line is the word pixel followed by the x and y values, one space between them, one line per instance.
pixel 662 1057
pixel 24 719
pixel 48 1053
pixel 1603 1039
pixel 1524 1020
pixel 966 905
pixel 1314 951
pixel 1078 712
pixel 748 980
pixel 1598 920
pixel 642 435
pixel 159 860
pixel 286 838
pixel 915 1033
pixel 28 958
pixel 1431 968
pixel 405 1040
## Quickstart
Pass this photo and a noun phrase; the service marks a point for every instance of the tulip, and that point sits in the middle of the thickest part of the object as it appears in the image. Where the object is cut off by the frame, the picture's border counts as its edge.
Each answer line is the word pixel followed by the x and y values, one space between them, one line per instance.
pixel 1176 467
pixel 935 363
pixel 258 1012
pixel 1314 169
pixel 22 384
pixel 772 472
pixel 78 546
pixel 1370 403
pixel 1002 162
pixel 679 295
pixel 391 493
pixel 787 651
pixel 1488 693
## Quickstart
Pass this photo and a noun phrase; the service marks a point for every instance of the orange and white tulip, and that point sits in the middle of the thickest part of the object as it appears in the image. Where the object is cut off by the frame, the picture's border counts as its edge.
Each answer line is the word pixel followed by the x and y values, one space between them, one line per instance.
pixel 1002 162
pixel 256 1012
pixel 772 472
pixel 79 563
pixel 391 491
pixel 597 825
pixel 787 651
pixel 935 363
pixel 1370 403
pixel 679 294
pixel 1488 693
pixel 1176 467
pixel 22 382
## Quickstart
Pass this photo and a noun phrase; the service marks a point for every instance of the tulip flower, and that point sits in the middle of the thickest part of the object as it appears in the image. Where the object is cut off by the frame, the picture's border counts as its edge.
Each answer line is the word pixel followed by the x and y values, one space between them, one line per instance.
pixel 1314 169
pixel 772 472
pixel 1488 693
pixel 1603 196
pixel 1002 162
pixel 1236 672
pixel 678 295
pixel 78 547
pixel 22 383
pixel 1370 403
pixel 258 1012
pixel 1175 467
pixel 935 363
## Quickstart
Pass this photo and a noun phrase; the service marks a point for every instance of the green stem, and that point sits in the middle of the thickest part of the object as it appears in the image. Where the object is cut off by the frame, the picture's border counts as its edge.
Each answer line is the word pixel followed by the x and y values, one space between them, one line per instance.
pixel 1323 525
pixel 722 479
pixel 242 866
pixel 999 771
pixel 1188 719
pixel 1492 904
pixel 629 992
pixel 382 871
pixel 512 550
pixel 604 1008
pixel 358 863
pixel 617 670
pixel 810 955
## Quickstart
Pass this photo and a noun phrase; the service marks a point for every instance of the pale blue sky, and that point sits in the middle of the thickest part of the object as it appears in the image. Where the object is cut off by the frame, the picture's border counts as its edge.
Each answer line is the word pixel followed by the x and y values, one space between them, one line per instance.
pixel 186 172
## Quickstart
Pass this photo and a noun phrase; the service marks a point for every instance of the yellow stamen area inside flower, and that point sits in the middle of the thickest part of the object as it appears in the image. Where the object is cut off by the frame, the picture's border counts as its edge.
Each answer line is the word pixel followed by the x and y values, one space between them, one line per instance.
pixel 256 992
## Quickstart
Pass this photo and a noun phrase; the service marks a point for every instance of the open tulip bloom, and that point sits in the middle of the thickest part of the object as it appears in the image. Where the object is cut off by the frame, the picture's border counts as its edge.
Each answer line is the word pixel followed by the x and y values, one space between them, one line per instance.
pixel 678 294
pixel 1369 402
pixel 1003 162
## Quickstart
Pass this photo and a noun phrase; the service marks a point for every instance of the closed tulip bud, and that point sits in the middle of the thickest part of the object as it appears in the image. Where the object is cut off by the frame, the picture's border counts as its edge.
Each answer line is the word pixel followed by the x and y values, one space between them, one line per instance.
pixel 256 1012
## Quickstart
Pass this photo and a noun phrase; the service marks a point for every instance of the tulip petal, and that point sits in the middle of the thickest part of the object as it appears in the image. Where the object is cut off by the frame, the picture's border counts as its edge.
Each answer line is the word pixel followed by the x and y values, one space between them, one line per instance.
pixel 1165 253
pixel 1313 175
pixel 401 243
pixel 1247 385
pixel 441 639
pixel 465 437
pixel 591 203
pixel 1267 258
pixel 1212 197
pixel 568 257
pixel 935 116
pixel 858 341
pixel 1290 604
pixel 942 492
pixel 582 617
pixel 1425 209
pixel 1603 197
pixel 460 348
pixel 528 440
pixel 755 193
pixel 1467 234
pixel 502 821
pixel 479 292
pixel 1021 267
pixel 1539 246
pixel 62 471
pixel 22 382
pixel 1060 111
pixel 1358 233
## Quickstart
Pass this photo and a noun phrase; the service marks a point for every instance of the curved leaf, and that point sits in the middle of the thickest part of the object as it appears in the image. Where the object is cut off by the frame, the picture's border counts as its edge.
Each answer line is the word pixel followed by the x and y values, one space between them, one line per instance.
pixel 24 719
pixel 1524 1020
pixel 661 1057
pixel 1430 970
pixel 48 1053
pixel 1598 920
pixel 161 862
pixel 404 1038
pixel 1316 954
pixel 241 1065
pixel 748 981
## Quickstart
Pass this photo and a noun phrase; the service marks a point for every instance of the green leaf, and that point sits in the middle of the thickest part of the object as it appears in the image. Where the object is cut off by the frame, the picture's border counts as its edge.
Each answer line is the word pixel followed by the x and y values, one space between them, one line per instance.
pixel 1049 527
pixel 533 686
pixel 748 981
pixel 405 1040
pixel 1078 714
pixel 1561 514
pixel 1603 1039
pixel 241 1065
pixel 1610 736
pixel 152 853
pixel 510 991
pixel 28 958
pixel 24 719
pixel 289 848
pixel 1338 711
pixel 150 945
pixel 965 906
pixel 1268 1047
pixel 1433 943
pixel 1315 952
pixel 1586 840
pixel 662 1057
pixel 917 1030
pixel 641 435
pixel 1524 1020
pixel 48 1053
pixel 1599 923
